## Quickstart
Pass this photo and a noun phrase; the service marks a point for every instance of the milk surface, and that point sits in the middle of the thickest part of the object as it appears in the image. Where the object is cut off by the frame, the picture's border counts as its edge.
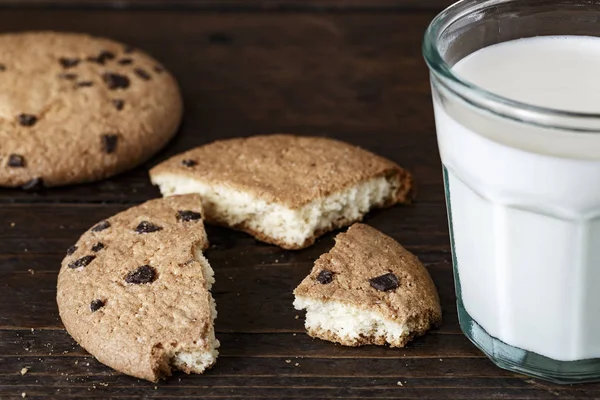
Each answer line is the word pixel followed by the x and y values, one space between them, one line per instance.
pixel 525 200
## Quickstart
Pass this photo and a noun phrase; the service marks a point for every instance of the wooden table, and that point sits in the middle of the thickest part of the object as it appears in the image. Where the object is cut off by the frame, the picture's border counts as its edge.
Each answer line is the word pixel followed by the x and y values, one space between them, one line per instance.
pixel 349 70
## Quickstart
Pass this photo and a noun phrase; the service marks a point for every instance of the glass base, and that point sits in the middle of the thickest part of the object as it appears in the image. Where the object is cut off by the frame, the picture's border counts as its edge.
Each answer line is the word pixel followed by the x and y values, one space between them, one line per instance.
pixel 525 362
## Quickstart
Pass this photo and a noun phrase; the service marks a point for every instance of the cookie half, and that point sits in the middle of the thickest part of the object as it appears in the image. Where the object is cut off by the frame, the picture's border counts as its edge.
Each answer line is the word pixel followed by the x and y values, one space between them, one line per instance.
pixel 134 291
pixel 284 189
pixel 76 108
pixel 368 290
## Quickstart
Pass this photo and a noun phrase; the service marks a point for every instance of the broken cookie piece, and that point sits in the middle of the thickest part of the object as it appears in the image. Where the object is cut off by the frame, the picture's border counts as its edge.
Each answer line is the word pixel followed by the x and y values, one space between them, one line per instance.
pixel 284 189
pixel 141 303
pixel 368 290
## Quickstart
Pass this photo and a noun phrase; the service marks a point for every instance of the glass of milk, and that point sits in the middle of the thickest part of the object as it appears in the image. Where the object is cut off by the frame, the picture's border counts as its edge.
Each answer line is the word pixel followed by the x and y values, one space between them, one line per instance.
pixel 516 94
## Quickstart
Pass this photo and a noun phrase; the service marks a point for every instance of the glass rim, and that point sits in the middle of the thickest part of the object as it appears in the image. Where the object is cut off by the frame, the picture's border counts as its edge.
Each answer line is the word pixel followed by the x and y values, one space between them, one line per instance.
pixel 443 70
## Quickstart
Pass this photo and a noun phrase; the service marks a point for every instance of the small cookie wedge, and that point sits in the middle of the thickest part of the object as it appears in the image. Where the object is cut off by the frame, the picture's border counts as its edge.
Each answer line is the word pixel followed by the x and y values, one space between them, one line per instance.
pixel 368 290
pixel 283 189
pixel 134 291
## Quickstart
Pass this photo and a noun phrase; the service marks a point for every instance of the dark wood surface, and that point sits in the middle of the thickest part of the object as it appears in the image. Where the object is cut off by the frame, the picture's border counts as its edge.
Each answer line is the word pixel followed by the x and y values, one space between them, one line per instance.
pixel 239 5
pixel 353 76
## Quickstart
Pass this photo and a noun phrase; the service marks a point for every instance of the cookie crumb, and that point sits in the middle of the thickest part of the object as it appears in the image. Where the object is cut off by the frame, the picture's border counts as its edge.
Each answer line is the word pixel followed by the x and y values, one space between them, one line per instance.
pixel 400 383
pixel 24 370
pixel 32 272
pixel 12 224
pixel 288 361
pixel 23 395
pixel 297 364
pixel 297 317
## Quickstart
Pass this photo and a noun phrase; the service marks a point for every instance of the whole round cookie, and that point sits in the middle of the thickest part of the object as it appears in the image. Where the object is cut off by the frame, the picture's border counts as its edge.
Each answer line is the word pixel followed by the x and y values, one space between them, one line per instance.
pixel 134 291
pixel 76 108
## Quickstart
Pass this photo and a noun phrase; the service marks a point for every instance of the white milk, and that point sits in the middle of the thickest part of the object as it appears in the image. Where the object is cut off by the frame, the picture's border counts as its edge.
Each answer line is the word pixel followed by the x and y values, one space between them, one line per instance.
pixel 525 201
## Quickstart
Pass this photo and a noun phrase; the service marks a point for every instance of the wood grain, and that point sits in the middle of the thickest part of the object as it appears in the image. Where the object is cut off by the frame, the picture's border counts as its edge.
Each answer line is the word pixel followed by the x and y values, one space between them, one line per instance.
pixel 238 5
pixel 354 76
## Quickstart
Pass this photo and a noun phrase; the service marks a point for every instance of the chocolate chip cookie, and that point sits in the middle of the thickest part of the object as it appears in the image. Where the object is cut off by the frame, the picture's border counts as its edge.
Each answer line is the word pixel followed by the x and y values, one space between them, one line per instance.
pixel 76 108
pixel 134 291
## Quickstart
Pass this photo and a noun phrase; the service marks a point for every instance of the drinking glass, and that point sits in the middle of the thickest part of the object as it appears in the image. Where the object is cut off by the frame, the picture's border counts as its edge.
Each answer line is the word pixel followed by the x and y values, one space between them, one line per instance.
pixel 523 197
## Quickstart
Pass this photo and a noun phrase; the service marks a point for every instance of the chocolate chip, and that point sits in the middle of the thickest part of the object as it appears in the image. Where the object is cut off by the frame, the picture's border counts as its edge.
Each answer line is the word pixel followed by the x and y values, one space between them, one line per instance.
pixel 189 163
pixel 188 215
pixel 147 227
pixel 68 62
pixel 143 274
pixel 71 250
pixel 85 84
pixel 220 38
pixel 16 161
pixel 2 67
pixel 96 305
pixel 68 76
pixel 103 57
pixel 27 119
pixel 109 143
pixel 33 185
pixel 82 262
pixel 125 61
pixel 115 81
pixel 118 103
pixel 142 74
pixel 129 49
pixel 325 277
pixel 100 226
pixel 158 69
pixel 106 55
pixel 385 282
pixel 97 247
